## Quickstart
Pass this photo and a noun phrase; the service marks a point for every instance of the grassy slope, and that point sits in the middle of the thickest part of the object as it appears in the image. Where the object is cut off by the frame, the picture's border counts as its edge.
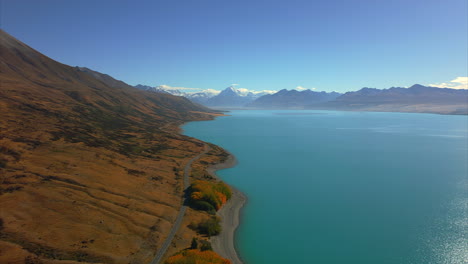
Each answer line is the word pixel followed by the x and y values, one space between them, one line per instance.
pixel 89 171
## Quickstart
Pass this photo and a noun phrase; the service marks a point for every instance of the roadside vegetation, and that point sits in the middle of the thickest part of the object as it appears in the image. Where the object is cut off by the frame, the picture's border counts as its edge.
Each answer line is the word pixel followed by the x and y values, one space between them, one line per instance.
pixel 209 227
pixel 200 252
pixel 208 196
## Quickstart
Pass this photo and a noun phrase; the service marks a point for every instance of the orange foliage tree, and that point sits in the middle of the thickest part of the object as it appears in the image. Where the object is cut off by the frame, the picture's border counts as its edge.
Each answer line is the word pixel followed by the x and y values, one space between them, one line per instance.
pixel 208 196
pixel 196 256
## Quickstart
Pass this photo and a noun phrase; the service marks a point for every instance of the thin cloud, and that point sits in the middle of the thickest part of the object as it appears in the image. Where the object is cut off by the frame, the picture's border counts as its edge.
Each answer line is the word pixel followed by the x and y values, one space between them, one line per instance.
pixel 457 83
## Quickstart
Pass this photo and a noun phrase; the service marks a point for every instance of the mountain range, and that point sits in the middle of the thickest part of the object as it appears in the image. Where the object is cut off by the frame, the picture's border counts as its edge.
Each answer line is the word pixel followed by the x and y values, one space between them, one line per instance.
pixel 233 98
pixel 417 98
pixel 292 99
pixel 227 98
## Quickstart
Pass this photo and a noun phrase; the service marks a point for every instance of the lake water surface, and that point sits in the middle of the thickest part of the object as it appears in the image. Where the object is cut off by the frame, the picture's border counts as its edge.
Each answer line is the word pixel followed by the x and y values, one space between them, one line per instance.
pixel 347 187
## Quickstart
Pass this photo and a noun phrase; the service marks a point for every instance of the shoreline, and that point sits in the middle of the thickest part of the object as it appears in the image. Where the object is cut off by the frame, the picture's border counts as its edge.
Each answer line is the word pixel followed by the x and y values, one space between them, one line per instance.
pixel 224 243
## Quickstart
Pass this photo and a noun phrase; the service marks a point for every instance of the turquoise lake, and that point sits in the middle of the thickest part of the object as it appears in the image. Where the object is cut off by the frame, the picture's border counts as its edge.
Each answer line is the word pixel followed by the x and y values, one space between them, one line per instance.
pixel 347 187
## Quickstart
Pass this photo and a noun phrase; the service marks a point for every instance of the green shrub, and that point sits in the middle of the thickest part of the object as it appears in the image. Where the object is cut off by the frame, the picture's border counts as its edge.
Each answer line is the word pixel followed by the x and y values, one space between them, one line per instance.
pixel 194 244
pixel 214 193
pixel 205 245
pixel 210 227
pixel 203 206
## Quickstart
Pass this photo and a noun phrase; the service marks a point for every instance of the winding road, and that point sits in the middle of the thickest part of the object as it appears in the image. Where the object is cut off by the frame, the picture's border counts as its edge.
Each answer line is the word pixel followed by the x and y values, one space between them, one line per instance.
pixel 162 250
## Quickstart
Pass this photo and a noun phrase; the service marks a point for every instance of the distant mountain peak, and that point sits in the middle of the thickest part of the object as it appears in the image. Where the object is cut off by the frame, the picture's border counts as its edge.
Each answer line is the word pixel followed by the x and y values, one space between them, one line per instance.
pixel 233 97
pixel 417 86
pixel 230 91
pixel 143 87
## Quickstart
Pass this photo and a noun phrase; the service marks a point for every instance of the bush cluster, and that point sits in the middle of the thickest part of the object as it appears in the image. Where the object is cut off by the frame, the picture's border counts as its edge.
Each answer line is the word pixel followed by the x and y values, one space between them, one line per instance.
pixel 208 196
pixel 209 227
pixel 204 244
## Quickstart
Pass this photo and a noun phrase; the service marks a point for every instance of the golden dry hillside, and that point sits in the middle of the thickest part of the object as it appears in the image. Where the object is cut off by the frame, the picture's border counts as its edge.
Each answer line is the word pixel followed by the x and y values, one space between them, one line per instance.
pixel 90 168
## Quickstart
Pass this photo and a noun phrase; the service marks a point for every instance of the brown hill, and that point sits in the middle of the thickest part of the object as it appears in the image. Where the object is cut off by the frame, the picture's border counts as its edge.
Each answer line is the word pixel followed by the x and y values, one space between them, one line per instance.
pixel 89 166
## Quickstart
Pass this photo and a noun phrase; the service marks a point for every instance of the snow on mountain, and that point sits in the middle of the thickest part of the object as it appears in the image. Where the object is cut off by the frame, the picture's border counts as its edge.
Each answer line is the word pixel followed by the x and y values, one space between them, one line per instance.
pixel 252 93
pixel 229 97
pixel 232 97
pixel 204 93
pixel 203 96
pixel 160 89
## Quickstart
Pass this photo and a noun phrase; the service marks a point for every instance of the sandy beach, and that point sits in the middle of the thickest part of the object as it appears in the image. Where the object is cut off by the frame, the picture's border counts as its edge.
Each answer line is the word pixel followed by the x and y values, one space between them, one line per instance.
pixel 223 244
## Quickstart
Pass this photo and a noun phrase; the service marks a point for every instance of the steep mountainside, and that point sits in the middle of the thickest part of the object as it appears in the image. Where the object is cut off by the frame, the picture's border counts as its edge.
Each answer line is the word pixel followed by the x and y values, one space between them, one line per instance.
pixel 107 79
pixel 90 168
pixel 417 98
pixel 293 99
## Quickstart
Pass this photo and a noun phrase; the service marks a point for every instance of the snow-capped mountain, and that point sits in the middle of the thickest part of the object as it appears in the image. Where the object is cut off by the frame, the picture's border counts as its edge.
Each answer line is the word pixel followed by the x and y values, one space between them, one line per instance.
pixel 233 98
pixel 203 96
pixel 199 97
pixel 227 98
pixel 160 89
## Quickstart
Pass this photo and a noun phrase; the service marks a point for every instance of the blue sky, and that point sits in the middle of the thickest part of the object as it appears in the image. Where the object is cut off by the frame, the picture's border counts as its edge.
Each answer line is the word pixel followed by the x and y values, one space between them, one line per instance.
pixel 329 45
